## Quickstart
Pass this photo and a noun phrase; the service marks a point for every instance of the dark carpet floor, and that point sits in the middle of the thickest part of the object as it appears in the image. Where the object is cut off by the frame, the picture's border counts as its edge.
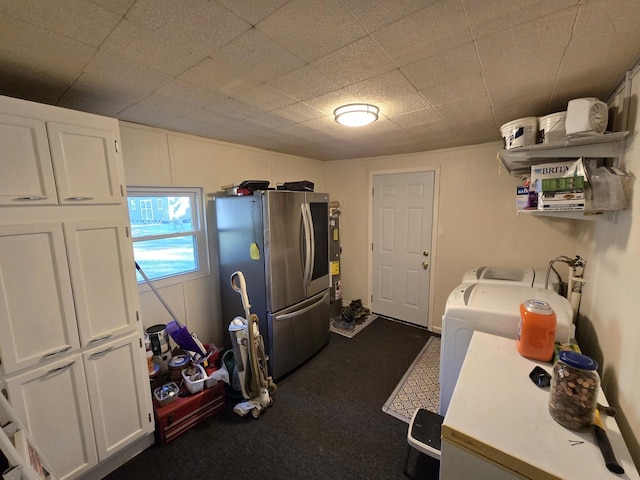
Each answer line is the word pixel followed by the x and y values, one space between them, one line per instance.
pixel 326 422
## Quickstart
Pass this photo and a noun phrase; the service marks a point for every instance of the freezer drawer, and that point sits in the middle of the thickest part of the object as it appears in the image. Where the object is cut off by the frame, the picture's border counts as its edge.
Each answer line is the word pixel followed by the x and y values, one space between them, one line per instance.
pixel 297 333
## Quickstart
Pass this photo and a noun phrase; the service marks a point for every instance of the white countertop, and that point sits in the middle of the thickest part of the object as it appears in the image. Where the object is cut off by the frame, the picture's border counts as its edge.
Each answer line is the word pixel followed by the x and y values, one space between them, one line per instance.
pixel 497 412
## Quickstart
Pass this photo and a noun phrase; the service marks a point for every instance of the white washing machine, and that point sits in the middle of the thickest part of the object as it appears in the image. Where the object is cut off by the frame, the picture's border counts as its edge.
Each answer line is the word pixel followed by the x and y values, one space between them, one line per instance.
pixel 525 276
pixel 493 308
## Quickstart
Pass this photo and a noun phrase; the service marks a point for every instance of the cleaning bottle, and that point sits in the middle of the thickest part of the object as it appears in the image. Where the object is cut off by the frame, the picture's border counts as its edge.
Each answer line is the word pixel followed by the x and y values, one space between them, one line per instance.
pixel 536 330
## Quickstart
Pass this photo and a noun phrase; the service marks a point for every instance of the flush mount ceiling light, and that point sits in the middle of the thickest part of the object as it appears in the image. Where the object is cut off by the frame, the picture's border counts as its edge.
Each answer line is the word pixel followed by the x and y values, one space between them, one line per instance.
pixel 356 114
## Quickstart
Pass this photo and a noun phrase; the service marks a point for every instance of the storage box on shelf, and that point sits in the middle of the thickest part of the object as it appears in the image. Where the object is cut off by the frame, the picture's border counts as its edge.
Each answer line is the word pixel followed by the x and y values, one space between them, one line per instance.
pixel 72 358
pixel 608 146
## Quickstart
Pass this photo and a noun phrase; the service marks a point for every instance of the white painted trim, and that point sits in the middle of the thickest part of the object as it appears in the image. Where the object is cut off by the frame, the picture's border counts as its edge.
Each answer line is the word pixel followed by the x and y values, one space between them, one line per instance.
pixel 434 233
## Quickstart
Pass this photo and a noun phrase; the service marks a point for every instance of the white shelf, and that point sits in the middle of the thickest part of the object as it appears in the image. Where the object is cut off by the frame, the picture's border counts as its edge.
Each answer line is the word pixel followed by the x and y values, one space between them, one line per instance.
pixel 607 145
pixel 589 214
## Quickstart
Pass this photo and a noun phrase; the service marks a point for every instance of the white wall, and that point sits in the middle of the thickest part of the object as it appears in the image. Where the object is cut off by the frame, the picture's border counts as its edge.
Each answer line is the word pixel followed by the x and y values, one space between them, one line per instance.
pixel 609 324
pixel 477 222
pixel 159 157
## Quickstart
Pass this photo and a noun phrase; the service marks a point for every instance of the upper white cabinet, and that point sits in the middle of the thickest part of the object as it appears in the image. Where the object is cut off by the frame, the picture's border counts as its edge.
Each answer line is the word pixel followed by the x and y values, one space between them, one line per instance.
pixel 102 280
pixel 37 316
pixel 25 162
pixel 84 164
pixel 49 161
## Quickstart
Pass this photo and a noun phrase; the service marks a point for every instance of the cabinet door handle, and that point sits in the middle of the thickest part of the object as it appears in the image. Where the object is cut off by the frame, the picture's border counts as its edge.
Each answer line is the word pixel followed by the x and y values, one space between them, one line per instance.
pixel 77 199
pixel 58 352
pixel 101 353
pixel 59 369
pixel 31 198
pixel 96 340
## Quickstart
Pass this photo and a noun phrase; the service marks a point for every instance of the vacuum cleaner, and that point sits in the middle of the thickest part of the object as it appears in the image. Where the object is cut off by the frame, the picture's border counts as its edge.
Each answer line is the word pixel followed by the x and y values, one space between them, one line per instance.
pixel 251 361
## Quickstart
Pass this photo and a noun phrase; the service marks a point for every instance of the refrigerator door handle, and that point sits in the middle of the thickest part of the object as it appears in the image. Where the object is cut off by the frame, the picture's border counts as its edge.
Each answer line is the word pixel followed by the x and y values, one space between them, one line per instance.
pixel 312 240
pixel 306 274
pixel 286 316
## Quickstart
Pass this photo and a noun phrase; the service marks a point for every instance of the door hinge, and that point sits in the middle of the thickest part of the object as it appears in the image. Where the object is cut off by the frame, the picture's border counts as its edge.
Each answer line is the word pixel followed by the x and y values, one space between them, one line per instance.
pixel 137 316
pixel 126 231
pixel 372 298
pixel 121 191
pixel 372 190
pixel 117 146
pixel 372 246
pixel 140 341
pixel 149 418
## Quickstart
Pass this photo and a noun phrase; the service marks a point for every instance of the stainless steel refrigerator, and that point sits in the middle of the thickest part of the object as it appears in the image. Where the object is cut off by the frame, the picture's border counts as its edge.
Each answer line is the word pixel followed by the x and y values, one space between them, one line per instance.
pixel 287 276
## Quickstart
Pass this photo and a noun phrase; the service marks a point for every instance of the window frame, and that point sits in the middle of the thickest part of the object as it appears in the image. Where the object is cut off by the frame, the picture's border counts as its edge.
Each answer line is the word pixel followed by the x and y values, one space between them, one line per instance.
pixel 199 231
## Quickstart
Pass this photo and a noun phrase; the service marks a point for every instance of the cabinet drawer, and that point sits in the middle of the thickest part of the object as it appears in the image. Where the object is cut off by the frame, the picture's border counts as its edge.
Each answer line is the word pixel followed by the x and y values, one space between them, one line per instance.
pixel 186 412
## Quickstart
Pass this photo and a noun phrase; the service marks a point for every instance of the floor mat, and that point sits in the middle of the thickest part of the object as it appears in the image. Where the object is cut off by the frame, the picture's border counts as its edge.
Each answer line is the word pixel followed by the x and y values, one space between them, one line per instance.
pixel 352 333
pixel 420 386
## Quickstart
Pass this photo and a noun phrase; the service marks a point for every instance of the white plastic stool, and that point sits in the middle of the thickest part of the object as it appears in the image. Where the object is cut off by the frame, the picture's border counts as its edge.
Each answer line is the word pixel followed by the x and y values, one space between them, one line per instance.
pixel 424 434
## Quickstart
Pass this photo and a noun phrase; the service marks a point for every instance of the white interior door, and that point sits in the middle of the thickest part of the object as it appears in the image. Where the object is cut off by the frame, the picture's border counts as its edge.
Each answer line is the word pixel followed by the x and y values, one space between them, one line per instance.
pixel 401 251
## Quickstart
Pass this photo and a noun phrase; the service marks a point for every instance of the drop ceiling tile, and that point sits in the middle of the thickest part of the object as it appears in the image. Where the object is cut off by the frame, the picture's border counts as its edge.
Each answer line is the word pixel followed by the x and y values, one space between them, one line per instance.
pixel 487 17
pixel 217 77
pixel 271 120
pixel 470 111
pixel 38 64
pixel 550 34
pixel 304 83
pixel 201 24
pixel 148 48
pixel 145 115
pixel 119 7
pixel 265 97
pixel 252 11
pixel 112 84
pixel 298 112
pixel 430 31
pixel 512 85
pixel 458 89
pixel 419 117
pixel 373 14
pixel 188 93
pixel 442 68
pixel 254 55
pixel 329 102
pixel 391 92
pixel 332 25
pixel 356 62
pixel 74 19
pixel 167 105
pixel 233 108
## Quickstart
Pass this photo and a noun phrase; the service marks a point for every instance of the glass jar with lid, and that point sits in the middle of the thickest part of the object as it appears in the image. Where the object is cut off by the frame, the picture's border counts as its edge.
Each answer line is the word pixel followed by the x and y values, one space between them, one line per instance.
pixel 575 385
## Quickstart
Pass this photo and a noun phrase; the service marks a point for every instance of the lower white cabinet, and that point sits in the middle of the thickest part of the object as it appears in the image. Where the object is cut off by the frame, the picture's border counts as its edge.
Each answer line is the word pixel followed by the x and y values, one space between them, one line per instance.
pixel 53 403
pixel 118 385
pixel 86 406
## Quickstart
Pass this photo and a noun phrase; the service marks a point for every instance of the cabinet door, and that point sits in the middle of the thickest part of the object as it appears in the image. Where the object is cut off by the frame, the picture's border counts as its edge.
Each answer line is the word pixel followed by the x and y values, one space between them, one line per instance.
pixel 85 164
pixel 27 174
pixel 102 281
pixel 37 317
pixel 53 403
pixel 117 378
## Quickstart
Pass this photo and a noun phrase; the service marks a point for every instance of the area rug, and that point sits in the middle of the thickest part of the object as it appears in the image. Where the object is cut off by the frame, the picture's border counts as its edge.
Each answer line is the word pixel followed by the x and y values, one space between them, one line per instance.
pixel 358 328
pixel 420 386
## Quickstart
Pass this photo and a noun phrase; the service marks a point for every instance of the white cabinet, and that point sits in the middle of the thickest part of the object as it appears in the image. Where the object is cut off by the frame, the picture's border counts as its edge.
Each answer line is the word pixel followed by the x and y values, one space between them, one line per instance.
pixel 37 316
pixel 53 403
pixel 72 358
pixel 52 162
pixel 25 162
pixel 117 393
pixel 102 279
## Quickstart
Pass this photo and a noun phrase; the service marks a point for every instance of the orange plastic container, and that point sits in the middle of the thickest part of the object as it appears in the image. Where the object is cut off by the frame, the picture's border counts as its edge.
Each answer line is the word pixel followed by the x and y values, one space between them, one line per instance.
pixel 536 330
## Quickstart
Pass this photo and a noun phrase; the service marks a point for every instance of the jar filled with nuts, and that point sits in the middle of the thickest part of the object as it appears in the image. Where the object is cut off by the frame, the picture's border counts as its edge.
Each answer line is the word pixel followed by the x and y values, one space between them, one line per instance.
pixel 574 390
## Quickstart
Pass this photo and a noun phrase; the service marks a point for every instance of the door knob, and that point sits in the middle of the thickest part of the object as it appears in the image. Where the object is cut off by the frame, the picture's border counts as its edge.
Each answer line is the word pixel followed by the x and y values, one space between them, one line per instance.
pixel 425 253
pixel 425 265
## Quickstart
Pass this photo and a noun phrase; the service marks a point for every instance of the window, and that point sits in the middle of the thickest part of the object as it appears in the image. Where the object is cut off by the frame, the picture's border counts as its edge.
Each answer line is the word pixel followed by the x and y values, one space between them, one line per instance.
pixel 168 232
